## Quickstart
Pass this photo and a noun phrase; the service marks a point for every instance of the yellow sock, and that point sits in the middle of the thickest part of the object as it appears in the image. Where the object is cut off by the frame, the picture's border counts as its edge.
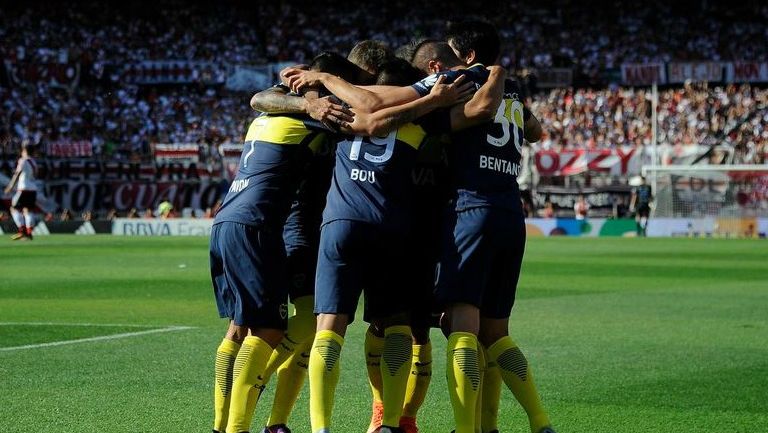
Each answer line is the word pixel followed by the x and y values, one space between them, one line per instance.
pixel 395 369
pixel 248 375
pixel 516 373
pixel 374 346
pixel 323 378
pixel 490 395
pixel 301 326
pixel 418 381
pixel 481 365
pixel 463 374
pixel 290 379
pixel 222 387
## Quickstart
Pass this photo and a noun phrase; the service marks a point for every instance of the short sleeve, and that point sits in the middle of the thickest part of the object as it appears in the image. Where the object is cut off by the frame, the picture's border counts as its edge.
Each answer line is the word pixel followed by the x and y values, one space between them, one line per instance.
pixel 424 86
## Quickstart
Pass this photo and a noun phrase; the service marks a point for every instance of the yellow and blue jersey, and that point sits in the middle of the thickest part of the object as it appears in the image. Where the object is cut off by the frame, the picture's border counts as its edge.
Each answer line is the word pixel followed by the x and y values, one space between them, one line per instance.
pixel 485 159
pixel 275 153
pixel 372 179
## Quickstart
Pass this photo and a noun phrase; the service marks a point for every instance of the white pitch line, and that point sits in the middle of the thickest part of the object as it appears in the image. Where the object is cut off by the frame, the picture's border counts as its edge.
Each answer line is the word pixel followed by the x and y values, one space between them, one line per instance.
pixel 80 324
pixel 99 338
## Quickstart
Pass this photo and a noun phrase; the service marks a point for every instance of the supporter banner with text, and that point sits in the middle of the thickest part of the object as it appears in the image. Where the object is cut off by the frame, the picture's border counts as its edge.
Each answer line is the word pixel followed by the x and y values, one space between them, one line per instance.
pixel 617 162
pixel 174 72
pixel 177 152
pixel 643 74
pixel 695 71
pixel 69 149
pixel 83 184
pixel 746 72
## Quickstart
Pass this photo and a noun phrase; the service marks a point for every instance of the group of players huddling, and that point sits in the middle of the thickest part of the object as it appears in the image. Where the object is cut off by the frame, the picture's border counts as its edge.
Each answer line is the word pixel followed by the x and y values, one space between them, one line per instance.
pixel 375 173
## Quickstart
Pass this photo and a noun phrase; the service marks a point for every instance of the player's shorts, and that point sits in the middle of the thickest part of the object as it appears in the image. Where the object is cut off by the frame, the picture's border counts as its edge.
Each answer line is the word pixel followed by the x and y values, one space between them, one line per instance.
pixel 482 252
pixel 422 252
pixel 248 275
pixel 24 199
pixel 643 210
pixel 358 257
pixel 301 265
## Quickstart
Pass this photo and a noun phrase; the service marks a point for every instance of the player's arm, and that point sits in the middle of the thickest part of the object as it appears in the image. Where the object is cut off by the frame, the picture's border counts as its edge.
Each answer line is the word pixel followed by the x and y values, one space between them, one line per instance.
pixel 388 119
pixel 276 100
pixel 532 128
pixel 483 105
pixel 364 100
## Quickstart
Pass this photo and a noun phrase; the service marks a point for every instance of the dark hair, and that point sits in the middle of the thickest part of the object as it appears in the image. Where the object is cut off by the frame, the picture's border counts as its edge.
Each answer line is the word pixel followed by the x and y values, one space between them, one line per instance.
pixel 434 50
pixel 370 55
pixel 398 72
pixel 478 35
pixel 336 64
pixel 407 51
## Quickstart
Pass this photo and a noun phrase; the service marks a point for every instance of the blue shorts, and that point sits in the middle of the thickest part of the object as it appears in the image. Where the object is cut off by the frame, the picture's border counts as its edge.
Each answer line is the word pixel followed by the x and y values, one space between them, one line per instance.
pixel 357 257
pixel 482 251
pixel 248 275
pixel 301 235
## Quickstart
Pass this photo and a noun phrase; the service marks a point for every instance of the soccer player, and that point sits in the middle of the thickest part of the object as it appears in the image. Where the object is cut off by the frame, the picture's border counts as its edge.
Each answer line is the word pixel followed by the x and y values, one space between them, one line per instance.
pixel 483 249
pixel 362 239
pixel 25 200
pixel 640 203
pixel 370 55
pixel 247 256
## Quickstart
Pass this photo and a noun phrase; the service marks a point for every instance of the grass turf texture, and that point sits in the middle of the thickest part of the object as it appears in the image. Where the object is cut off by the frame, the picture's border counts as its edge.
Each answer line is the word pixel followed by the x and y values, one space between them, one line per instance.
pixel 624 335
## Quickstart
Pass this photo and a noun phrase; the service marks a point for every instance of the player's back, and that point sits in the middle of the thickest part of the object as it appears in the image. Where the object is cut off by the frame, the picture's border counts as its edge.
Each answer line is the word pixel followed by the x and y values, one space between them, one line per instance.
pixel 275 152
pixel 372 178
pixel 485 159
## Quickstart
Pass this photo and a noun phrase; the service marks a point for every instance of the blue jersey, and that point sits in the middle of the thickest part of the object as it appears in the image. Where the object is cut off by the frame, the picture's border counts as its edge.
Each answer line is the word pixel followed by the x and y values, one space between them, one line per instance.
pixel 643 195
pixel 275 152
pixel 302 228
pixel 372 177
pixel 485 159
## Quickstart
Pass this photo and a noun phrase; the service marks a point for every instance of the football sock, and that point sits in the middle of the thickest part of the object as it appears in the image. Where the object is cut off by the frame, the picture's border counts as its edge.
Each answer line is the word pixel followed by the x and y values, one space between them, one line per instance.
pixel 518 377
pixel 374 346
pixel 481 364
pixel 395 369
pixel 30 220
pixel 225 361
pixel 323 378
pixel 301 326
pixel 18 219
pixel 290 379
pixel 463 374
pixel 248 382
pixel 418 381
pixel 491 395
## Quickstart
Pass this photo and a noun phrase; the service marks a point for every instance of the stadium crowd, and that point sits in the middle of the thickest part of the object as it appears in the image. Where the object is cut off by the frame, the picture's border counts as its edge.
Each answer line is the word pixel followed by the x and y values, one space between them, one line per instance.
pixel 122 120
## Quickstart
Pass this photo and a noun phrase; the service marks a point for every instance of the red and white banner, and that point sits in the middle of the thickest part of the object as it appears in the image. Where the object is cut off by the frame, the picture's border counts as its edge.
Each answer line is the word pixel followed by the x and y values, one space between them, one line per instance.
pixel 177 152
pixel 746 72
pixel 643 74
pixel 695 71
pixel 617 162
pixel 70 149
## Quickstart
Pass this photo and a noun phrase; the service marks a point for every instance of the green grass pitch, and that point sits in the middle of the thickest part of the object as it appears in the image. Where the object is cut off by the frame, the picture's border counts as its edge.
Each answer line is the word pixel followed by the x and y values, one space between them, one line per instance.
pixel 624 335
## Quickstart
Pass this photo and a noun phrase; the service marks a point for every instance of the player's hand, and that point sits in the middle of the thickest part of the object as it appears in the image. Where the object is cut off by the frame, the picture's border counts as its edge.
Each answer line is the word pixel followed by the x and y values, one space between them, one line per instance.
pixel 457 92
pixel 284 72
pixel 329 112
pixel 298 79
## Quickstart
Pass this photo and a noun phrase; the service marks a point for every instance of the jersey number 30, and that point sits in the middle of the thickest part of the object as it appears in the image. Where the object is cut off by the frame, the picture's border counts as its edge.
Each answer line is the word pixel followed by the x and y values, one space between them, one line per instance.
pixel 510 113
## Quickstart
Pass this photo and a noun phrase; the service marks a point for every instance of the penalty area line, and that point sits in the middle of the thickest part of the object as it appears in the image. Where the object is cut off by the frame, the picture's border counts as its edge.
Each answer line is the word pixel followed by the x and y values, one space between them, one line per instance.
pixel 99 338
